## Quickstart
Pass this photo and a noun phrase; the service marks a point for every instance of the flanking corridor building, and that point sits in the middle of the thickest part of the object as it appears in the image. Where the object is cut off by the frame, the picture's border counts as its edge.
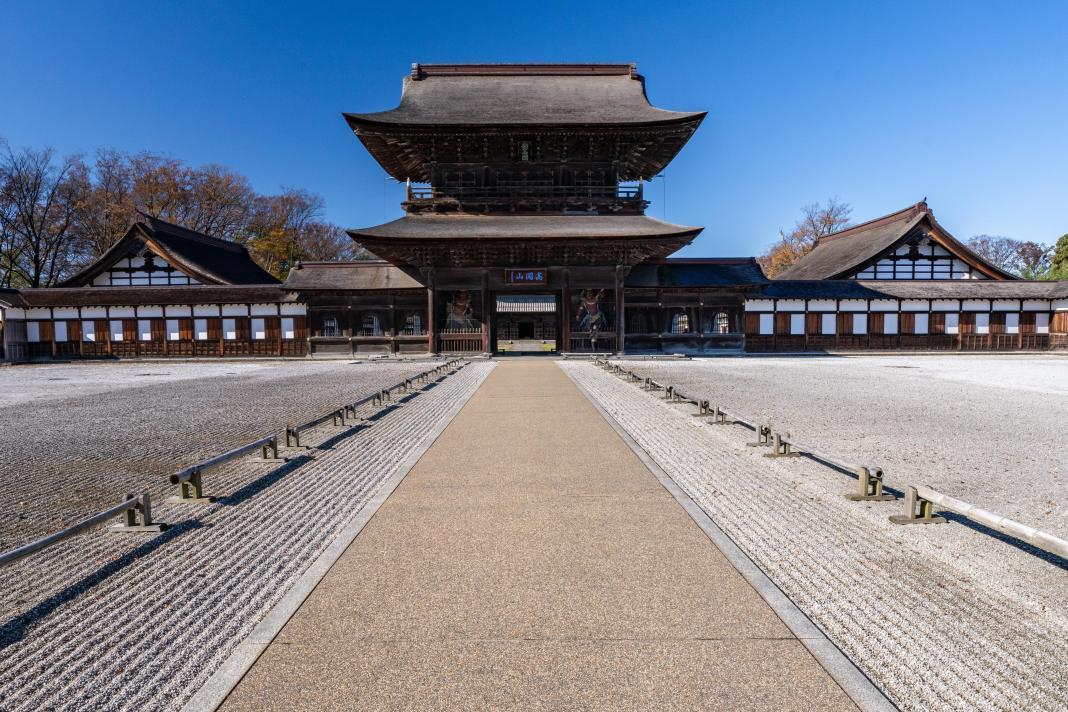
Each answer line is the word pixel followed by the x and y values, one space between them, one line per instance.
pixel 525 230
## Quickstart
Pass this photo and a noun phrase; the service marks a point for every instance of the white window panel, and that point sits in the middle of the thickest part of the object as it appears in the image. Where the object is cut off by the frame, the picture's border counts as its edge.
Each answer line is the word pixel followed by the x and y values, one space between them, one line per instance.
pixel 200 329
pixel 288 331
pixel 1012 323
pixel 144 329
pixel 860 324
pixel 1042 323
pixel 982 323
pixel 88 331
pixel 173 332
pixel 259 329
pixel 828 324
pixel 952 323
pixel 33 331
pixel 889 323
pixel 116 330
pixel 230 329
pixel 921 324
pixel 60 331
pixel 767 324
pixel 797 324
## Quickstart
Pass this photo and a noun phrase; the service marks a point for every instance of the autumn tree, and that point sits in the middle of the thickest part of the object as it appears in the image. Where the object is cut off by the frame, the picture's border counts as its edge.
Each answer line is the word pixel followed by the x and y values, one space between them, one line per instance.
pixel 39 200
pixel 816 222
pixel 58 215
pixel 288 227
pixel 1030 260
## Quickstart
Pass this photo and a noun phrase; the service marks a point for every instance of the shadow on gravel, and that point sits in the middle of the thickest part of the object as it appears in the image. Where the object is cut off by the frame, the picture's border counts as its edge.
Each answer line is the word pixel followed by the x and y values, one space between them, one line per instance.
pixel 263 482
pixel 1053 559
pixel 1059 561
pixel 887 489
pixel 15 629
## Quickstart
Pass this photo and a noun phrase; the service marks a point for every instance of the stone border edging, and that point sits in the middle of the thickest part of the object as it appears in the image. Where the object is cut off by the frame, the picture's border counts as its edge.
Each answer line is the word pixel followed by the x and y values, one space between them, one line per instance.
pixel 857 686
pixel 222 682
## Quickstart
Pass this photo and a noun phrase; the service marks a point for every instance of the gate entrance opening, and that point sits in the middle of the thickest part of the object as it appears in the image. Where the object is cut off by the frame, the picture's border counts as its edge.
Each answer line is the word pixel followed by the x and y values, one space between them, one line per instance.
pixel 526 323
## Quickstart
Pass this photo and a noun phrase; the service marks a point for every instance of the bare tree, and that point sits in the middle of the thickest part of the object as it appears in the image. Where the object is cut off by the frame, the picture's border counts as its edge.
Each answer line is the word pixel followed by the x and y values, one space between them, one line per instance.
pixel 106 209
pixel 1030 260
pixel 41 200
pixel 1034 259
pixel 816 222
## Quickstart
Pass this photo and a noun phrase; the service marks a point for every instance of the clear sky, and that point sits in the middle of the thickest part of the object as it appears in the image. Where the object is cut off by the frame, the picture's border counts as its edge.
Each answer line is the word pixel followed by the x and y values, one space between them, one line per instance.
pixel 876 104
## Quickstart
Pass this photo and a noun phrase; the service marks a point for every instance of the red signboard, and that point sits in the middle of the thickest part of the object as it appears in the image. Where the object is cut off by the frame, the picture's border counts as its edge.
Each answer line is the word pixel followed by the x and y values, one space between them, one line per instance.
pixel 537 275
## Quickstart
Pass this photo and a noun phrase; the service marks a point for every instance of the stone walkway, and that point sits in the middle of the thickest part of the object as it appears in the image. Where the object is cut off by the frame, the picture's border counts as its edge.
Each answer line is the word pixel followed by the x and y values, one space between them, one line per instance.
pixel 530 560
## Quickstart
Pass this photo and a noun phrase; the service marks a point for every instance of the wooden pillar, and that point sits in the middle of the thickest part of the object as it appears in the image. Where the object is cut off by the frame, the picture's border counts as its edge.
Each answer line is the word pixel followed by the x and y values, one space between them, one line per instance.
pixel 621 273
pixel 431 326
pixel 81 334
pixel 565 312
pixel 107 318
pixel 393 329
pixel 485 312
pixel 52 314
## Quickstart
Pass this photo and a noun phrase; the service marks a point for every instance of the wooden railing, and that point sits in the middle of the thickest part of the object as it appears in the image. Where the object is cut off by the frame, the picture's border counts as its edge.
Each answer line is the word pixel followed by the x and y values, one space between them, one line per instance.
pixel 593 192
pixel 589 342
pixel 455 341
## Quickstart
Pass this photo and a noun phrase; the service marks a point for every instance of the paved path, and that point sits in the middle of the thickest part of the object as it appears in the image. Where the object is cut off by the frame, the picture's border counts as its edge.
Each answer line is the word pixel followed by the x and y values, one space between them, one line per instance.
pixel 530 560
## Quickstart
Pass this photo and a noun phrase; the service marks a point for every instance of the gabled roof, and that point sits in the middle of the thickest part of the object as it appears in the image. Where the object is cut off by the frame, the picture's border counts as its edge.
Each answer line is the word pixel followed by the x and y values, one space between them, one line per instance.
pixel 205 258
pixel 367 274
pixel 456 113
pixel 136 296
pixel 522 94
pixel 913 289
pixel 522 227
pixel 684 272
pixel 844 253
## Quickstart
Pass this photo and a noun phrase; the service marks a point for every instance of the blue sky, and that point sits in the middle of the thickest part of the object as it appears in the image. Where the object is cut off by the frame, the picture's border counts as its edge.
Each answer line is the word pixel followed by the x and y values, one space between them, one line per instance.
pixel 877 104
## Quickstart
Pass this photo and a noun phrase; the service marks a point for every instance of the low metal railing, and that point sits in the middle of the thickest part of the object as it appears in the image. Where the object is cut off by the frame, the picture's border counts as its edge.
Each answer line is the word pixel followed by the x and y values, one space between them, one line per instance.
pixel 129 508
pixel 921 500
pixel 190 479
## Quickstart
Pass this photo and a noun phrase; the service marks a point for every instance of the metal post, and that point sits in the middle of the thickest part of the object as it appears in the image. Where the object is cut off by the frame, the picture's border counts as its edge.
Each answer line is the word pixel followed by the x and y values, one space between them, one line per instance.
pixel 870 481
pixel 917 510
pixel 191 490
pixel 130 523
pixel 763 436
pixel 781 448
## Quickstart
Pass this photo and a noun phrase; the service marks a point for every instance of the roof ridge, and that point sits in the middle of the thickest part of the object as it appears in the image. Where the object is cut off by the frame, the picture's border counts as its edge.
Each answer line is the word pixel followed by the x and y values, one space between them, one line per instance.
pixel 190 234
pixel 920 207
pixel 513 69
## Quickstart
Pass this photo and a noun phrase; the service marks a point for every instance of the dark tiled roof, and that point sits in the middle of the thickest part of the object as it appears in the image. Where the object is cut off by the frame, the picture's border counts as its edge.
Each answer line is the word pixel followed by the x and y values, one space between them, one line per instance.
pixel 309 276
pixel 914 289
pixel 503 94
pixel 697 273
pixel 134 296
pixel 843 253
pixel 523 227
pixel 206 258
pixel 10 298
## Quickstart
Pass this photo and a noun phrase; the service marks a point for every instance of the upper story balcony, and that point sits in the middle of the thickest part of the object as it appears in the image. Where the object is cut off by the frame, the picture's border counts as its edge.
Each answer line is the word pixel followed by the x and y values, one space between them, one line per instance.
pixel 527 198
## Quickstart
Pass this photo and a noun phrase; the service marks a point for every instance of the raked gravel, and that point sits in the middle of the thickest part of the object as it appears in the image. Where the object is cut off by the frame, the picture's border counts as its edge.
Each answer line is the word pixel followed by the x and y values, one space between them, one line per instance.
pixel 988 430
pixel 109 621
pixel 75 438
pixel 939 616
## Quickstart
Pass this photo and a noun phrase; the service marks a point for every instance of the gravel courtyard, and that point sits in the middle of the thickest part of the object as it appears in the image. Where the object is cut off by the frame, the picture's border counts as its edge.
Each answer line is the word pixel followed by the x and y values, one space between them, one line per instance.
pixel 987 430
pixel 109 621
pixel 75 438
pixel 940 617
